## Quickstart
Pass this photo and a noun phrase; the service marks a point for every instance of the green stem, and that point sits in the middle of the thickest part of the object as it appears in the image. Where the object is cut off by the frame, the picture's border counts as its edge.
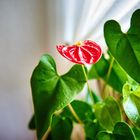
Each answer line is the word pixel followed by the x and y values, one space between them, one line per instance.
pixel 108 75
pixel 46 134
pixel 87 83
pixel 74 113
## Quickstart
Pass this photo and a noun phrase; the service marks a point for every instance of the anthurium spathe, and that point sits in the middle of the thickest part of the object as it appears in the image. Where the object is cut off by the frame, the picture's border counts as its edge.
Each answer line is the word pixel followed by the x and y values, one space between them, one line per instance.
pixel 86 52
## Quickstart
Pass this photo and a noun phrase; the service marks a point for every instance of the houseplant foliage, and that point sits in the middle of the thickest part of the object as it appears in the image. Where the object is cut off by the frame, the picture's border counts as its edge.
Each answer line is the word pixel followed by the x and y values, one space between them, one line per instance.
pixel 114 114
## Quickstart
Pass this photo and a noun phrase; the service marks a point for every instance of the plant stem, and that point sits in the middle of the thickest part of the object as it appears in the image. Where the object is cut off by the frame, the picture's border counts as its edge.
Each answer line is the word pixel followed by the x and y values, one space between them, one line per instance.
pixel 108 75
pixel 74 113
pixel 87 83
pixel 46 134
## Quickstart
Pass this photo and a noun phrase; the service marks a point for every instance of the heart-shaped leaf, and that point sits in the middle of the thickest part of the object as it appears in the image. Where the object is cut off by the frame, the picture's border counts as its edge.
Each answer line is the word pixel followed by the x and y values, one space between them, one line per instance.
pixel 52 92
pixel 117 77
pixel 131 102
pixel 125 47
pixel 122 131
pixel 108 113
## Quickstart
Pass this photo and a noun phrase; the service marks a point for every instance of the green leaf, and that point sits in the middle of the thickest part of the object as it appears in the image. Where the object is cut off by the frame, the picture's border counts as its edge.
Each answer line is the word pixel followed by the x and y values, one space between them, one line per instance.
pixel 104 136
pixel 125 47
pixel 122 131
pixel 137 133
pixel 31 124
pixel 61 128
pixel 108 113
pixel 83 110
pixel 131 102
pixel 52 92
pixel 91 129
pixel 117 77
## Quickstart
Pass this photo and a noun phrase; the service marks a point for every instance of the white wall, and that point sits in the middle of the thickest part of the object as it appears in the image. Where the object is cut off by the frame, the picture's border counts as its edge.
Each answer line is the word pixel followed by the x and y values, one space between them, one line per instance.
pixel 22 41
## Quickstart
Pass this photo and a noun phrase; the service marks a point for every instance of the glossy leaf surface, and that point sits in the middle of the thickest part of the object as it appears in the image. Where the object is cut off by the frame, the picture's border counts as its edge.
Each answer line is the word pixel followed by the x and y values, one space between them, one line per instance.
pixel 108 113
pixel 52 92
pixel 125 47
pixel 131 102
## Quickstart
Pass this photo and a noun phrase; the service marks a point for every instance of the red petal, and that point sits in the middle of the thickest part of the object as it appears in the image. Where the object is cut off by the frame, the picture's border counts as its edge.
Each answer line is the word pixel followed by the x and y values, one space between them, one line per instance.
pixel 88 53
pixel 67 52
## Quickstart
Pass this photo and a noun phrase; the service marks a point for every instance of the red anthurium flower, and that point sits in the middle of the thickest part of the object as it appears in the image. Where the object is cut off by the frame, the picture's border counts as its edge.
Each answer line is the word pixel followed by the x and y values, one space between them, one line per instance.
pixel 86 52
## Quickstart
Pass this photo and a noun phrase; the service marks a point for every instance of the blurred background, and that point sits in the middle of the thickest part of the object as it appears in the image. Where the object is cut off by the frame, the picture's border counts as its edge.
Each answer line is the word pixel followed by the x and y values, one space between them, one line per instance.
pixel 29 28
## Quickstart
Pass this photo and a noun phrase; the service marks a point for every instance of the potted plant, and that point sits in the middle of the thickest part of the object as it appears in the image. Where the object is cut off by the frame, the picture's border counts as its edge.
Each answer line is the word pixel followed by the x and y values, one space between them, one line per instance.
pixel 114 114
